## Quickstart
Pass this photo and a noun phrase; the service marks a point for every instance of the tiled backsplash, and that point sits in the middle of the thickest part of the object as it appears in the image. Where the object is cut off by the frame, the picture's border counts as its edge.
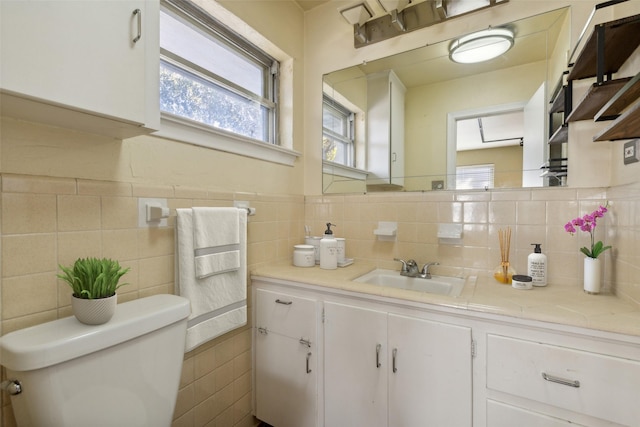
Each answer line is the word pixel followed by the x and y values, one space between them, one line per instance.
pixel 51 221
pixel 534 215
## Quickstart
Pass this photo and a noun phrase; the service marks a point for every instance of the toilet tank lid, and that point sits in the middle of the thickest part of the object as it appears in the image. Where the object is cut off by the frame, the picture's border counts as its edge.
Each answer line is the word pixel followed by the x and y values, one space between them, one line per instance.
pixel 60 340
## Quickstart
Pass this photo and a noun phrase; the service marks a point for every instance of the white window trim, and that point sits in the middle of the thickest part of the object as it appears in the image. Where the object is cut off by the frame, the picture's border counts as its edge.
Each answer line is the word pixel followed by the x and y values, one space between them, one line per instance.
pixel 337 169
pixel 187 131
pixel 191 132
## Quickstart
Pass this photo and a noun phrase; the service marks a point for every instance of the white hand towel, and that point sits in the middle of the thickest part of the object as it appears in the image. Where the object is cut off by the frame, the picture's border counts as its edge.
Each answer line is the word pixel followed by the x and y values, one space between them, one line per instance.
pixel 215 227
pixel 217 263
pixel 218 302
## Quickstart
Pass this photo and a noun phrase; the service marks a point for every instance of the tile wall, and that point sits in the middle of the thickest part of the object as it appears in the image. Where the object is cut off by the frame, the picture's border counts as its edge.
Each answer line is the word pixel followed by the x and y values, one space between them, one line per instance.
pixel 50 221
pixel 47 221
pixel 534 216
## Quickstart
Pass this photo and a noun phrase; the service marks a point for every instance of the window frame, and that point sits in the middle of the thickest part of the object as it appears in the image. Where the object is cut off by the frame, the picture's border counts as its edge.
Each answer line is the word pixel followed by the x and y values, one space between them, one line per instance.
pixel 190 131
pixel 348 138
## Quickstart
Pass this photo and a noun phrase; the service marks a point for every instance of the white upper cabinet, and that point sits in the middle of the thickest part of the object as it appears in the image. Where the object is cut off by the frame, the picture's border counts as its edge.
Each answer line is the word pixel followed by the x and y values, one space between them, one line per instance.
pixel 87 65
pixel 385 129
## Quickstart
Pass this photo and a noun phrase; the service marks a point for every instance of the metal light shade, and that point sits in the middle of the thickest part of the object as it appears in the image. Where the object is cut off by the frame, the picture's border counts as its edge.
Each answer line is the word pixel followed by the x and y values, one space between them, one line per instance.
pixel 481 46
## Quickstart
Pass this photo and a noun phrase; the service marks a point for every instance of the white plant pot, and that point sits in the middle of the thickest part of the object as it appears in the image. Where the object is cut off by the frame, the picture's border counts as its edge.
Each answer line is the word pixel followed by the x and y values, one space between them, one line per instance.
pixel 592 275
pixel 94 311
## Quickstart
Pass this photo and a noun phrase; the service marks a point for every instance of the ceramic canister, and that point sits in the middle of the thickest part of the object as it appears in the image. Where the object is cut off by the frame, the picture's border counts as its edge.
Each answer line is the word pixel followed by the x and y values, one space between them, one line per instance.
pixel 304 256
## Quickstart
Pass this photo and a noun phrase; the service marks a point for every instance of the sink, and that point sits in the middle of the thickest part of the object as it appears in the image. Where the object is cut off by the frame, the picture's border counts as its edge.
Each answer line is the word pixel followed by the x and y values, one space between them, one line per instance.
pixel 442 285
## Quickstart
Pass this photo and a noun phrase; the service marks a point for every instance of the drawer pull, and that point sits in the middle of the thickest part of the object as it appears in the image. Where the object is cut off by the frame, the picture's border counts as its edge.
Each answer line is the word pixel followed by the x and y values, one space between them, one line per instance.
pixel 394 354
pixel 263 331
pixel 279 301
pixel 378 348
pixel 551 378
pixel 305 342
pixel 308 357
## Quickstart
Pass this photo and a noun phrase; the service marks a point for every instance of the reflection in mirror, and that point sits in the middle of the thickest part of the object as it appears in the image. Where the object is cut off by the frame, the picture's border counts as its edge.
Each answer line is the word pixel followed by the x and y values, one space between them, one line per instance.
pixel 408 111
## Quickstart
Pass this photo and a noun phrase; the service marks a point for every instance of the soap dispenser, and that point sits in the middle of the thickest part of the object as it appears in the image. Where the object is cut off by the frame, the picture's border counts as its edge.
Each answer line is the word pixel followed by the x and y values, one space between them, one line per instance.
pixel 537 266
pixel 328 250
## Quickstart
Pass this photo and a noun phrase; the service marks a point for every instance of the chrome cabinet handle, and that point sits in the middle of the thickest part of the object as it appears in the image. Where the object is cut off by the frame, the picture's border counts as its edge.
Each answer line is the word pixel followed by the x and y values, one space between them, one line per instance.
pixel 394 353
pixel 308 357
pixel 378 348
pixel 138 14
pixel 553 379
pixel 305 342
pixel 279 301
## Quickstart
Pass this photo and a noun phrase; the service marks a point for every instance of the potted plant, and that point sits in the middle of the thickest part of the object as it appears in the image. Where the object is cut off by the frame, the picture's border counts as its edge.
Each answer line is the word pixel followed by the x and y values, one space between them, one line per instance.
pixel 94 283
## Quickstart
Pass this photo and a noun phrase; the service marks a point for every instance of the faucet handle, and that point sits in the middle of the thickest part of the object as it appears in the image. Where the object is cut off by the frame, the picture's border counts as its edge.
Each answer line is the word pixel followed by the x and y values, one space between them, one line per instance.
pixel 404 264
pixel 425 269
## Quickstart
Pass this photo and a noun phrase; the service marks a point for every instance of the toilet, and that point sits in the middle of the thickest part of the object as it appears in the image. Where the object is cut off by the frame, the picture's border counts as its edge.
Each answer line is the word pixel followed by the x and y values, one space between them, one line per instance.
pixel 123 373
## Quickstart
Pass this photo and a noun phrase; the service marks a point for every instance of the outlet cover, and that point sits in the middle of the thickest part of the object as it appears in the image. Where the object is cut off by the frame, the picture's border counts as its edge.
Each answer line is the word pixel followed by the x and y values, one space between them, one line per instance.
pixel 630 152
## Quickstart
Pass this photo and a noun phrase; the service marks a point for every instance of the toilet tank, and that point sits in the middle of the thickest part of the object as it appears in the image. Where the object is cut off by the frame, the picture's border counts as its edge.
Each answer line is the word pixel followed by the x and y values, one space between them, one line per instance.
pixel 123 373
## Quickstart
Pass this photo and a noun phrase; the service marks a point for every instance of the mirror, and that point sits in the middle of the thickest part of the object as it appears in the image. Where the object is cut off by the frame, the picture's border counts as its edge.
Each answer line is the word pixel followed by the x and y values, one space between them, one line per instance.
pixel 434 106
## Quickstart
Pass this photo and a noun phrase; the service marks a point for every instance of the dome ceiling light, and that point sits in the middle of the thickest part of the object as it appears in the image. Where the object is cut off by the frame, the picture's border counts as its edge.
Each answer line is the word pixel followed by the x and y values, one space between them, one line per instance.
pixel 481 46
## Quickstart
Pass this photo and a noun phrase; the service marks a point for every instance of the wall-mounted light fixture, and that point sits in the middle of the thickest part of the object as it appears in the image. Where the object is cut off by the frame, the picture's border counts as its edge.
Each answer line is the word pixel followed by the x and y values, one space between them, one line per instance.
pixel 357 15
pixel 394 9
pixel 481 46
pixel 404 16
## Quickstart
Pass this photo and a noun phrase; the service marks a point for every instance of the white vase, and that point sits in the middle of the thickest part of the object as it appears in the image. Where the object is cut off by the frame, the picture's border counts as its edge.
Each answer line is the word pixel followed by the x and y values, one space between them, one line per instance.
pixel 592 275
pixel 94 311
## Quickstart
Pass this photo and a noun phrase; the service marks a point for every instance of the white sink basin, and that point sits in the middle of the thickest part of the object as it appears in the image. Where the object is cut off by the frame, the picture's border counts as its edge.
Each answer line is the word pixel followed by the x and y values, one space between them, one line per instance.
pixel 442 285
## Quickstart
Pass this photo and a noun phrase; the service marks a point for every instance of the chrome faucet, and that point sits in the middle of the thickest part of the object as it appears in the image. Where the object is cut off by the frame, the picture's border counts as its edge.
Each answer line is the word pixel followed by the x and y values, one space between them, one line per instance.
pixel 409 268
pixel 426 273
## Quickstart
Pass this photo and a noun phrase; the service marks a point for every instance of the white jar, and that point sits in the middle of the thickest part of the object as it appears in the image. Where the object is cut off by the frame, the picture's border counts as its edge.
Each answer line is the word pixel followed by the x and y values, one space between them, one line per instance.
pixel 341 248
pixel 304 256
pixel 315 242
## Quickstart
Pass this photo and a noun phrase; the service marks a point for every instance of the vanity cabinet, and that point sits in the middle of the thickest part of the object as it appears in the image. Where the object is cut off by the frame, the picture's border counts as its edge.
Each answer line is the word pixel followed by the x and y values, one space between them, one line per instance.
pixel 91 66
pixel 385 129
pixel 285 377
pixel 388 369
pixel 379 361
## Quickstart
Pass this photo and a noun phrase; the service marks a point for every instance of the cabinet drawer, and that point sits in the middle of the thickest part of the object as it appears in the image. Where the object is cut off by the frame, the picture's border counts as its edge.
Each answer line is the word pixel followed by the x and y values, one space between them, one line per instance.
pixel 502 415
pixel 593 384
pixel 288 315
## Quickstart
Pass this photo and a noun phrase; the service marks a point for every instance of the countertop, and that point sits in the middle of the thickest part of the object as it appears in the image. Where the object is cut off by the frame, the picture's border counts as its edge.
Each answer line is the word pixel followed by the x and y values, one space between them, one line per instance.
pixel 556 304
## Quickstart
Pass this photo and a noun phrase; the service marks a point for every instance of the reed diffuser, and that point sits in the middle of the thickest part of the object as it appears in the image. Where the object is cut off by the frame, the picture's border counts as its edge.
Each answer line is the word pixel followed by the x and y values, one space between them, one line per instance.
pixel 504 273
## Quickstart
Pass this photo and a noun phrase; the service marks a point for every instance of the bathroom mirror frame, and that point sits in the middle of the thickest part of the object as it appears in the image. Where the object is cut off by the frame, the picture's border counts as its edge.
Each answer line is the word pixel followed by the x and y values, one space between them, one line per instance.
pixel 551 30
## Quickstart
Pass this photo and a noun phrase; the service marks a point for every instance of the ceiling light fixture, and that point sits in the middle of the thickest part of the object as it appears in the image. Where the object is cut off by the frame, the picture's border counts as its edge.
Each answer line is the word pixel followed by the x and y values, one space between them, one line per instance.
pixel 481 46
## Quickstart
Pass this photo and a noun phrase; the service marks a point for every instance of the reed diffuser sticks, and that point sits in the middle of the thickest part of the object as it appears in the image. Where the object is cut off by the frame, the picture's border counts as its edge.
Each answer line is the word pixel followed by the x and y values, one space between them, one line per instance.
pixel 504 272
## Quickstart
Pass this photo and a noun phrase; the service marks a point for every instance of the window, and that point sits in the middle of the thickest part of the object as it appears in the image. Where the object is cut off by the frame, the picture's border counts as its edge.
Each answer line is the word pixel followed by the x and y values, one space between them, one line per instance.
pixel 212 76
pixel 337 133
pixel 474 177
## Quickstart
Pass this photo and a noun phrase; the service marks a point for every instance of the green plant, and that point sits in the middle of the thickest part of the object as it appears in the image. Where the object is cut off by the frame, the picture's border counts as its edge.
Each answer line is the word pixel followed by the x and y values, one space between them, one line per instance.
pixel 93 278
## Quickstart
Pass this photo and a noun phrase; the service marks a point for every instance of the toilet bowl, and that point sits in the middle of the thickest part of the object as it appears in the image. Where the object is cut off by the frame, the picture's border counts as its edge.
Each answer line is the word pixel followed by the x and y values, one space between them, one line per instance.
pixel 123 373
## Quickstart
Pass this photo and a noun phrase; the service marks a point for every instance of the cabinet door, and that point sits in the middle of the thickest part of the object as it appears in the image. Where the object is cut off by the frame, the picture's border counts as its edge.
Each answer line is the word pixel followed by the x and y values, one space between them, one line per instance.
pixel 355 366
pixel 285 381
pixel 430 375
pixel 81 55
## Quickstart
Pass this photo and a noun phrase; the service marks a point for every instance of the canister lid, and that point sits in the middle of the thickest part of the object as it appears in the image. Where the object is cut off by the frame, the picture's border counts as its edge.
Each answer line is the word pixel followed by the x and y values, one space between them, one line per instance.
pixel 522 278
pixel 304 247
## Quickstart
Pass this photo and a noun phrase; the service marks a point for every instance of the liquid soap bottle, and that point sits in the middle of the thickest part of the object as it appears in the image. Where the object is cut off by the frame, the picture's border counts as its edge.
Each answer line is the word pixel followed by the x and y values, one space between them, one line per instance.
pixel 328 250
pixel 537 266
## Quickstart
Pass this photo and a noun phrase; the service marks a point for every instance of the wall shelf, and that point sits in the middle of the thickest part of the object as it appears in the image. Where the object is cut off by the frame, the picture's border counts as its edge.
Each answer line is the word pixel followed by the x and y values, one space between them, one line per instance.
pixel 557 106
pixel 627 95
pixel 626 126
pixel 560 136
pixel 621 38
pixel 596 97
